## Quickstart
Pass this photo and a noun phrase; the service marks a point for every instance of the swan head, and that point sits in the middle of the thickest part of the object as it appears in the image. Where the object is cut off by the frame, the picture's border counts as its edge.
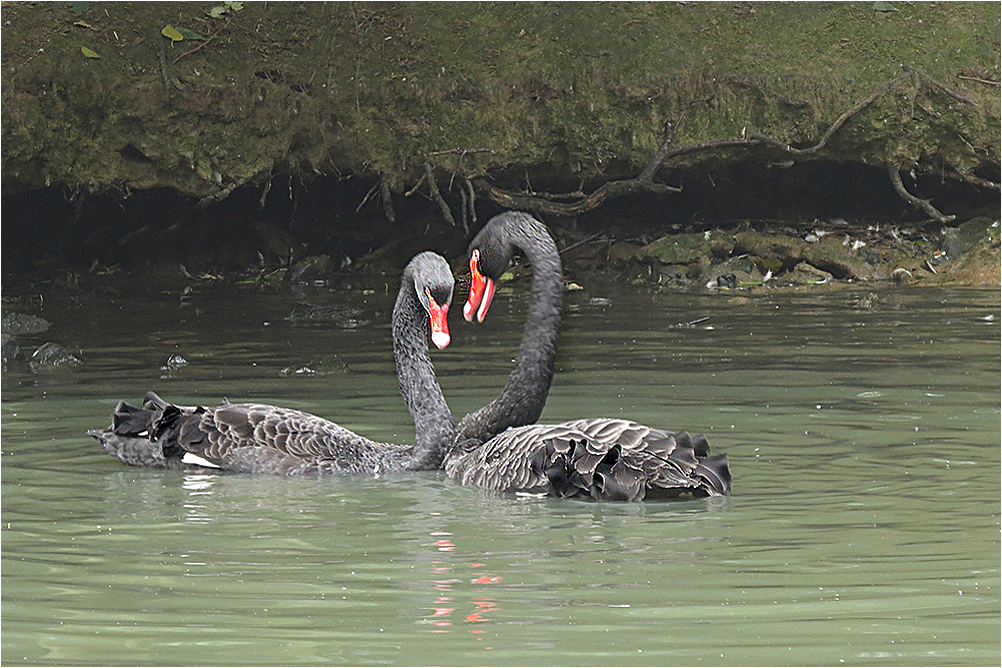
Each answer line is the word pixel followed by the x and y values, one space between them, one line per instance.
pixel 491 252
pixel 489 255
pixel 433 283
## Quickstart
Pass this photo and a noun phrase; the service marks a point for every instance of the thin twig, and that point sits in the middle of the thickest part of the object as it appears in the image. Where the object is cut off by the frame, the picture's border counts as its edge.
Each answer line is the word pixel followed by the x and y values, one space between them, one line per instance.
pixel 955 174
pixel 368 195
pixel 461 151
pixel 987 82
pixel 464 208
pixel 203 44
pixel 416 186
pixel 942 87
pixel 582 242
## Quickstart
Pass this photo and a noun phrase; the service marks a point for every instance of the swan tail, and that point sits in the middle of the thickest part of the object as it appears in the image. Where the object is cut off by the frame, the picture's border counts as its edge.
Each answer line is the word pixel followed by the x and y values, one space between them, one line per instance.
pixel 618 460
pixel 130 438
pixel 605 459
pixel 714 470
pixel 151 436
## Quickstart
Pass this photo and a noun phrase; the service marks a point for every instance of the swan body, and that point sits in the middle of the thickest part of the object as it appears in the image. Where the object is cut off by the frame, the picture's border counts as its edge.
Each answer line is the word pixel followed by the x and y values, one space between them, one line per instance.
pixel 499 448
pixel 260 438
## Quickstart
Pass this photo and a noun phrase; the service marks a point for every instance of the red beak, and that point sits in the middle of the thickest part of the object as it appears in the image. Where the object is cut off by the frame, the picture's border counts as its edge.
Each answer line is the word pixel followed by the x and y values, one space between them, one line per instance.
pixel 439 325
pixel 481 291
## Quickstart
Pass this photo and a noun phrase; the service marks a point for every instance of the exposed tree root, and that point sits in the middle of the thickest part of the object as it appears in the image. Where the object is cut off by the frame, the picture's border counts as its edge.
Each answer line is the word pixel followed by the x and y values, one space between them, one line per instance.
pixel 973 180
pixel 384 189
pixel 222 194
pixel 170 81
pixel 469 198
pixel 264 194
pixel 429 175
pixel 544 203
pixel 922 205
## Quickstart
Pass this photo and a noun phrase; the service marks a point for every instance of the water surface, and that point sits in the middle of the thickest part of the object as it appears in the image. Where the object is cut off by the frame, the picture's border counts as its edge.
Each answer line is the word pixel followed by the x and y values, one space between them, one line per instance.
pixel 863 435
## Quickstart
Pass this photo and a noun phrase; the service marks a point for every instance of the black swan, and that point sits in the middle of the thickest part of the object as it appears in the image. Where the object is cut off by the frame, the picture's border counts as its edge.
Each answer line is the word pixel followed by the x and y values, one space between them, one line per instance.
pixel 604 458
pixel 257 438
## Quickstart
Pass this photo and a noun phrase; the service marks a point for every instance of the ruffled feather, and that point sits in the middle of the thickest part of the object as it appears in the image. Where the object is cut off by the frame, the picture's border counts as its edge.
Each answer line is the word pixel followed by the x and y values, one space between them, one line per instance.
pixel 604 458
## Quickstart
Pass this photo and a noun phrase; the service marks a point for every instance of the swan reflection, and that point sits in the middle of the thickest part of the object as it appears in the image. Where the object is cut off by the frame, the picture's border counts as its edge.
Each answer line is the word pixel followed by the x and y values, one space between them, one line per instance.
pixel 197 484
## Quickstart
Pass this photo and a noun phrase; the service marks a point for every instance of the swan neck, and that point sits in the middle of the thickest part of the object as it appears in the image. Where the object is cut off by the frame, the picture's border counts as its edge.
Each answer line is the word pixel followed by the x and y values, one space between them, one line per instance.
pixel 432 418
pixel 524 395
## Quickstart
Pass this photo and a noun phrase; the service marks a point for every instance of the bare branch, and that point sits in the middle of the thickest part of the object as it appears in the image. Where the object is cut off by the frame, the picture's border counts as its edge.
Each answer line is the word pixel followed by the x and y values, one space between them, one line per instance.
pixel 221 194
pixel 648 174
pixel 644 182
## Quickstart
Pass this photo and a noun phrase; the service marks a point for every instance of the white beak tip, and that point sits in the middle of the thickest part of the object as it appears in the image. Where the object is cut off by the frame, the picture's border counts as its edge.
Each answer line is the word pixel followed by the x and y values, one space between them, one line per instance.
pixel 441 339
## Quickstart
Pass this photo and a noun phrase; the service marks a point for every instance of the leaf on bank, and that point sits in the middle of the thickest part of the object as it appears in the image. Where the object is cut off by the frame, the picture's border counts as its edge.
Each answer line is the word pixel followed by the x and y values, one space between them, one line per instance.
pixel 883 7
pixel 229 5
pixel 171 33
pixel 78 7
pixel 189 34
pixel 90 53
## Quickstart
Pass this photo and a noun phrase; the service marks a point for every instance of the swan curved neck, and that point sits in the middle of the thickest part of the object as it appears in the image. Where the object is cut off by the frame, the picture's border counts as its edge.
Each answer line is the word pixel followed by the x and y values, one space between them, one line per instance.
pixel 522 399
pixel 433 422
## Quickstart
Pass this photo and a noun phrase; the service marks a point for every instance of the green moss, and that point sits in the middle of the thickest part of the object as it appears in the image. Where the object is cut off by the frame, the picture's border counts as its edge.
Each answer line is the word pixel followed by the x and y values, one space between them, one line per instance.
pixel 788 250
pixel 688 248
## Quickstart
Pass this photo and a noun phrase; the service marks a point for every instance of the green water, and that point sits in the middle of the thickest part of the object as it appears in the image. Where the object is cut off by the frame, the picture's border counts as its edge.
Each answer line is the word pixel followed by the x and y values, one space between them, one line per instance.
pixel 863 530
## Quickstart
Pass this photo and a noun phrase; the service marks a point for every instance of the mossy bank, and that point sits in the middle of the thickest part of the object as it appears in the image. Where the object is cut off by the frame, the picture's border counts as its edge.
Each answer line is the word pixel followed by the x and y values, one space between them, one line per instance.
pixel 274 131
